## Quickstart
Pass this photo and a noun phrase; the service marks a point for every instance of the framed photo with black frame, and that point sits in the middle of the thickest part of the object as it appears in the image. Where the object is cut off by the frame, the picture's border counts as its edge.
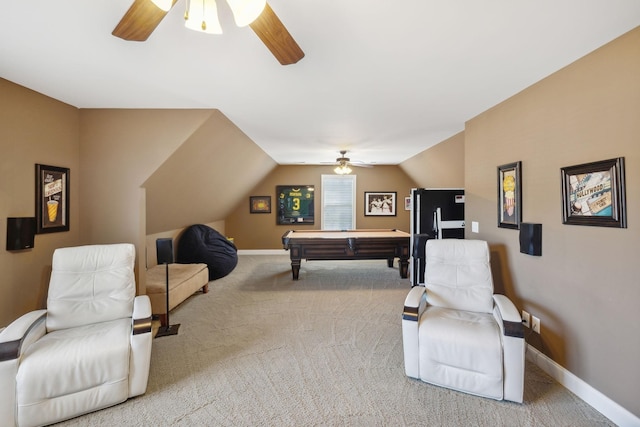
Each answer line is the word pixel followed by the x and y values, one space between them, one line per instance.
pixel 510 195
pixel 52 199
pixel 295 204
pixel 380 203
pixel 260 204
pixel 595 194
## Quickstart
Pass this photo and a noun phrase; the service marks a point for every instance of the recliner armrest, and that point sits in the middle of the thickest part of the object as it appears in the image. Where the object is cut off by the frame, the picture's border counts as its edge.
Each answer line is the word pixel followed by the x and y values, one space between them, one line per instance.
pixel 514 347
pixel 512 323
pixel 14 340
pixel 141 338
pixel 414 303
pixel 141 317
pixel 17 334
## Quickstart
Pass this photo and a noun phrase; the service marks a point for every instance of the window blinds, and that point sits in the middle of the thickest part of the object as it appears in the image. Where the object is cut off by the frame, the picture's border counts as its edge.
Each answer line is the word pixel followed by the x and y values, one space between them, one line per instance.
pixel 338 202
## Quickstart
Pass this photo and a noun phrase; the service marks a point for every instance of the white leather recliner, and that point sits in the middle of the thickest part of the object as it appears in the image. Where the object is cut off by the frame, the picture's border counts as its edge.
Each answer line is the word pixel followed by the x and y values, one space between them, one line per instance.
pixel 456 333
pixel 89 349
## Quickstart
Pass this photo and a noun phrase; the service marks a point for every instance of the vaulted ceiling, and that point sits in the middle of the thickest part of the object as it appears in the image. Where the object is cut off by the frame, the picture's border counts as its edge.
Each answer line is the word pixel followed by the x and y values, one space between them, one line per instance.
pixel 381 79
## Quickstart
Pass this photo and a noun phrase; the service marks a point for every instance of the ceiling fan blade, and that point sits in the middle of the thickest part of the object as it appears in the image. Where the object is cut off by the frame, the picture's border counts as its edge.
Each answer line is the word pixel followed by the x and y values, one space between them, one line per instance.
pixel 276 37
pixel 140 20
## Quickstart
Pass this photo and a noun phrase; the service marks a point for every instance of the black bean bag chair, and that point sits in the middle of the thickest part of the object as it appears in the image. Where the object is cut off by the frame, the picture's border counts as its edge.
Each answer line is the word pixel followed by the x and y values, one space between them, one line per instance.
pixel 202 244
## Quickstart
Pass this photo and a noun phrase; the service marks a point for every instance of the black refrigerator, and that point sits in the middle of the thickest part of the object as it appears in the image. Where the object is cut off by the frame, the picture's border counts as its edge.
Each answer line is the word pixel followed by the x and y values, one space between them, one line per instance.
pixel 436 213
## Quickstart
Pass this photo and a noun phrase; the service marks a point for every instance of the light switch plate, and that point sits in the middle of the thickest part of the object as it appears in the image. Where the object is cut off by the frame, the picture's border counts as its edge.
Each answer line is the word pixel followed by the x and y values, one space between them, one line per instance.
pixel 535 324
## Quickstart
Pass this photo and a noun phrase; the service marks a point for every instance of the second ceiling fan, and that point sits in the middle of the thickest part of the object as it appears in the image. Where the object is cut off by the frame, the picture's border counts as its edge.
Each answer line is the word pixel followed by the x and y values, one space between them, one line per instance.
pixel 345 163
pixel 144 16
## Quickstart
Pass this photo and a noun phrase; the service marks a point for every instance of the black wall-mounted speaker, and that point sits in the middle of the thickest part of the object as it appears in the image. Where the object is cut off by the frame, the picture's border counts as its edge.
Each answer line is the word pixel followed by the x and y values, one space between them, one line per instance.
pixel 21 233
pixel 531 238
pixel 164 250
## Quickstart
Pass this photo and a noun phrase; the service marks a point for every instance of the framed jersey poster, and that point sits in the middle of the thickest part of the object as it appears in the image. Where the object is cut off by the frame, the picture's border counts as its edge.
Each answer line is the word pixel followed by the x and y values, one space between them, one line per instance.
pixel 295 204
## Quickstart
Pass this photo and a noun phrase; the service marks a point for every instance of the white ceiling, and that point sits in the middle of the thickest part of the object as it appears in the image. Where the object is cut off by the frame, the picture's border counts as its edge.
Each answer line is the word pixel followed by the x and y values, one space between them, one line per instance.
pixel 382 79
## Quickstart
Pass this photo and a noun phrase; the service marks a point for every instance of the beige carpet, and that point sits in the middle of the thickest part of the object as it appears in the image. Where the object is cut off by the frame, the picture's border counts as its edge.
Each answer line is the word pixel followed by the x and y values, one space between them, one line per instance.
pixel 263 350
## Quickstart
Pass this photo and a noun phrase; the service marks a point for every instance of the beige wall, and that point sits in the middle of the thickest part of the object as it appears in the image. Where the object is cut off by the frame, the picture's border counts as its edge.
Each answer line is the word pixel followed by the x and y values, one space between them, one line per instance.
pixel 585 287
pixel 33 129
pixel 180 155
pixel 205 177
pixel 259 231
pixel 441 166
pixel 120 149
pixel 112 155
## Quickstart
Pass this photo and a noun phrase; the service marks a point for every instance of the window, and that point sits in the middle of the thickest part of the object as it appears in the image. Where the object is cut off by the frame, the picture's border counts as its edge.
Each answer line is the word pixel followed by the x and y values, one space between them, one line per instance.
pixel 338 202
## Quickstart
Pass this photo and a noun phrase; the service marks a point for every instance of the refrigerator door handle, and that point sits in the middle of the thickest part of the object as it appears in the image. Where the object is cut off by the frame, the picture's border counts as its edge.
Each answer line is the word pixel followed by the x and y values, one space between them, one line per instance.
pixel 437 219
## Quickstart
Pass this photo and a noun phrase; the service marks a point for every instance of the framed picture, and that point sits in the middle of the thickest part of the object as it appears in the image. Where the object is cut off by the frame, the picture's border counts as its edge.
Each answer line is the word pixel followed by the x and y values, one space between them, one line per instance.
pixel 407 203
pixel 510 195
pixel 594 194
pixel 380 203
pixel 52 199
pixel 260 204
pixel 295 204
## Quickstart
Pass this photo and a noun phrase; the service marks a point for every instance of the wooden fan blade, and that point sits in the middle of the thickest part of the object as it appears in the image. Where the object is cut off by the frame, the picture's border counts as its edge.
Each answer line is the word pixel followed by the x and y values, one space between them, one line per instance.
pixel 276 37
pixel 140 20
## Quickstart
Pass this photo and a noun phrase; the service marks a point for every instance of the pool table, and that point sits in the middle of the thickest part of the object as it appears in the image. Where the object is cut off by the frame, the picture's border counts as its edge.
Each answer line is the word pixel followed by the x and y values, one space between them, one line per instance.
pixel 347 245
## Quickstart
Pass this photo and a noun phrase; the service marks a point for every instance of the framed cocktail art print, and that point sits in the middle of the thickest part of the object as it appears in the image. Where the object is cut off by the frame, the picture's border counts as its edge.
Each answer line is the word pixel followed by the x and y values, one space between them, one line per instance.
pixel 52 199
pixel 594 194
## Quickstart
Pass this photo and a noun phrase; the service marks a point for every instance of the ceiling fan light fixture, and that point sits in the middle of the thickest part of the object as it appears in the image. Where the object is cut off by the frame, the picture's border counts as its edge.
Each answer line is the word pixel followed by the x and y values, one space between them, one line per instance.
pixel 246 11
pixel 144 16
pixel 202 15
pixel 343 169
pixel 163 4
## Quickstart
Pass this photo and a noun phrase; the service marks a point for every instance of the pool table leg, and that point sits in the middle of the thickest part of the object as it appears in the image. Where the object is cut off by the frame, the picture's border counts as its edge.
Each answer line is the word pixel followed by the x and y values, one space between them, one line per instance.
pixel 403 264
pixel 404 267
pixel 295 268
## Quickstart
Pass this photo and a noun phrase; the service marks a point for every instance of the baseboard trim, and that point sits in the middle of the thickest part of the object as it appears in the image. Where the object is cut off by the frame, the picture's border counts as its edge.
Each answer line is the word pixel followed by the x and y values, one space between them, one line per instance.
pixel 262 252
pixel 584 391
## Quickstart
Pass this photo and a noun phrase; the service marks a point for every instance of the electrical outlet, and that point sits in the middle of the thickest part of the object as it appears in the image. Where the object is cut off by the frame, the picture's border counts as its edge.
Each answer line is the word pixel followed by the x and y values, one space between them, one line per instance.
pixel 526 319
pixel 535 324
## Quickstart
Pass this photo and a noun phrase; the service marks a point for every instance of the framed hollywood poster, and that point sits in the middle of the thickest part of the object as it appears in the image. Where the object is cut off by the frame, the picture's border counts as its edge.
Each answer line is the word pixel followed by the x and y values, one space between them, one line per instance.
pixel 594 194
pixel 510 195
pixel 52 199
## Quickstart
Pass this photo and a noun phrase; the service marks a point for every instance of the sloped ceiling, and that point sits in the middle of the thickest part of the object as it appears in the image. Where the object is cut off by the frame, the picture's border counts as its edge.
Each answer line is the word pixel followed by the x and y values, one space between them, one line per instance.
pixel 205 178
pixel 382 79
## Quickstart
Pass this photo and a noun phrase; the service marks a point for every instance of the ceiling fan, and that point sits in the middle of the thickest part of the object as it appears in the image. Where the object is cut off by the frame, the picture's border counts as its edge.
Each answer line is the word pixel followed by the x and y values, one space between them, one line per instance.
pixel 144 16
pixel 345 163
